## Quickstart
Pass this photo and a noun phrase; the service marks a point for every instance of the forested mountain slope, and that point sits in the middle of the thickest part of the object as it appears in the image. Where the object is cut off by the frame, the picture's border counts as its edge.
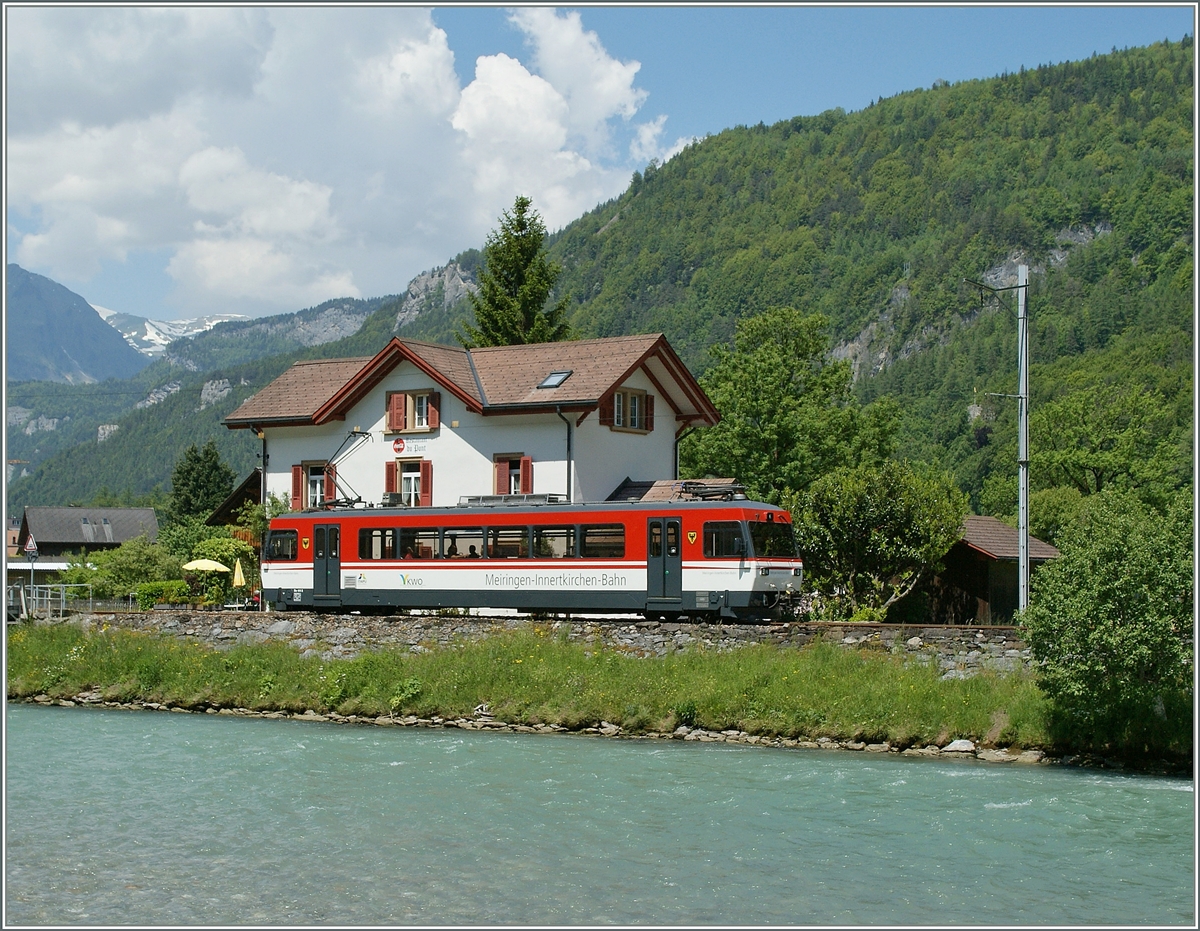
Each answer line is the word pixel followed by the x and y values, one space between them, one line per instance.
pixel 876 217
pixel 1083 170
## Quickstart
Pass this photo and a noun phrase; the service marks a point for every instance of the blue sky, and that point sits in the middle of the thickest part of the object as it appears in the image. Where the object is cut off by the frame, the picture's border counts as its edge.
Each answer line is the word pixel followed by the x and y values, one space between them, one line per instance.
pixel 713 68
pixel 177 162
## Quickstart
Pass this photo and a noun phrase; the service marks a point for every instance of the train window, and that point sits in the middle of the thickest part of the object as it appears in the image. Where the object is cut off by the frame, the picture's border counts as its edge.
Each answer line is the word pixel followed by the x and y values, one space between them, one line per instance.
pixel 419 543
pixel 508 542
pixel 553 542
pixel 773 539
pixel 464 542
pixel 723 538
pixel 377 543
pixel 319 543
pixel 602 540
pixel 281 544
pixel 655 542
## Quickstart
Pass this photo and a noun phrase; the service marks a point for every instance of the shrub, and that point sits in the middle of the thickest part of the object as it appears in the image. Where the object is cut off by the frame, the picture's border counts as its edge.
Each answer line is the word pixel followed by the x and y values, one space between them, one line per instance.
pixel 149 594
pixel 1111 623
pixel 219 585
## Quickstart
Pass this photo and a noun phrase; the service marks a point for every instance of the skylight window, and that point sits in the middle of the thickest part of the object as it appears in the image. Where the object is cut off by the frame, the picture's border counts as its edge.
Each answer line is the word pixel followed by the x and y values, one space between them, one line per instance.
pixel 554 379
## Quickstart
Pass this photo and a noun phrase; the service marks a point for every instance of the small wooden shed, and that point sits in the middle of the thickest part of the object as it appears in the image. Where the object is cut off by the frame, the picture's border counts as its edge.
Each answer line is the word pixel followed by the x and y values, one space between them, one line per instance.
pixel 979 582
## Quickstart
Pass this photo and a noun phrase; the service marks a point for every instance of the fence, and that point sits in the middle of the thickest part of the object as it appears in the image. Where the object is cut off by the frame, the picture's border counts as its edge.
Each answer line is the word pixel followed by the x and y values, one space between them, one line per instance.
pixel 29 601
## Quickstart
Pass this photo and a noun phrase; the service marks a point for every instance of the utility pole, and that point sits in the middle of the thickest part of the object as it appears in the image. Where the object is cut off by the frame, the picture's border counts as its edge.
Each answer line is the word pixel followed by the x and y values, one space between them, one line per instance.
pixel 1022 396
pixel 1022 438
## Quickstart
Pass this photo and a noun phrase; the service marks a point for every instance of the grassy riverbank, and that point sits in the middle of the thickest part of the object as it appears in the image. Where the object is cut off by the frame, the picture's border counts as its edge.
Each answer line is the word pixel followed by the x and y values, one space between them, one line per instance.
pixel 533 677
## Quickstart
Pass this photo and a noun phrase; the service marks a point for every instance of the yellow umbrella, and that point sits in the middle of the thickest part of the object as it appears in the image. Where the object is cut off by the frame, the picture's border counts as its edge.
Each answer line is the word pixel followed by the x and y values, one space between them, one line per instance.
pixel 238 579
pixel 205 565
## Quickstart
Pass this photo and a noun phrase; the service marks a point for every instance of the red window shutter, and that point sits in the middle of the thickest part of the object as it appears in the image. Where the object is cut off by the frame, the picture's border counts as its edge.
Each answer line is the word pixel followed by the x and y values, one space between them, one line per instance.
pixel 297 487
pixel 526 475
pixel 426 483
pixel 397 411
pixel 606 411
pixel 501 482
pixel 648 414
pixel 330 482
pixel 389 476
pixel 435 403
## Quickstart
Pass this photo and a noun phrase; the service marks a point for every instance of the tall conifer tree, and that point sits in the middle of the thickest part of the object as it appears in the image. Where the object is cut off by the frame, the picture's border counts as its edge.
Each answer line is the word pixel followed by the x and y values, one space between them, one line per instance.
pixel 201 480
pixel 515 282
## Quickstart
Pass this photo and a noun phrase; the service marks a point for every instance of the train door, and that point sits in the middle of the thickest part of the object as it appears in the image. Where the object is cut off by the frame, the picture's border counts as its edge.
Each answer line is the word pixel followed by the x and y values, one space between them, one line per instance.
pixel 327 564
pixel 664 564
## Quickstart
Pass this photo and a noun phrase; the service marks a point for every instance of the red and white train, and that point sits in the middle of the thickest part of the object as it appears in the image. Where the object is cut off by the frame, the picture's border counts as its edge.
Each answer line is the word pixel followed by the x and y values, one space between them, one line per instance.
pixel 732 559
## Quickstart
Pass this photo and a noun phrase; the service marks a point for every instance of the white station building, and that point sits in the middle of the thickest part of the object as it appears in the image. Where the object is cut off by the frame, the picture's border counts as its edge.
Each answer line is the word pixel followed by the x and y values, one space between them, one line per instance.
pixel 424 425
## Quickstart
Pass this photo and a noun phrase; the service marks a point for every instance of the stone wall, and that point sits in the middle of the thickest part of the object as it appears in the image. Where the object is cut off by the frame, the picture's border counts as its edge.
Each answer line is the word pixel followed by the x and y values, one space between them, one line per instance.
pixel 959 652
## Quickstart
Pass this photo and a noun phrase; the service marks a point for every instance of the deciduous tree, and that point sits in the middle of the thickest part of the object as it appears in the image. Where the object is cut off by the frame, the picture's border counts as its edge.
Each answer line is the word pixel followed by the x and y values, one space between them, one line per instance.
pixel 869 534
pixel 787 414
pixel 1098 436
pixel 515 282
pixel 1110 622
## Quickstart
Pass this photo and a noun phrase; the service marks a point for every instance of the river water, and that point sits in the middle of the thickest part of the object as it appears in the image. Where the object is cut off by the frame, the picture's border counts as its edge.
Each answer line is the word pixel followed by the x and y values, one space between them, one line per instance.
pixel 151 818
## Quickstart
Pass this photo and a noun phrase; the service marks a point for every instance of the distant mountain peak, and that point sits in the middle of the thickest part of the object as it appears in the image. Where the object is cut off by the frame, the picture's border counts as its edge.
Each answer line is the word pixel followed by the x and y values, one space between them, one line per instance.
pixel 151 337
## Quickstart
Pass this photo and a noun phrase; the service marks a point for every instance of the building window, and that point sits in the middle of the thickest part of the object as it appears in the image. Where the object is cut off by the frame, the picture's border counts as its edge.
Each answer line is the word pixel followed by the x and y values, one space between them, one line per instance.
pixel 514 474
pixel 628 409
pixel 410 483
pixel 313 483
pixel 411 480
pixel 316 485
pixel 411 411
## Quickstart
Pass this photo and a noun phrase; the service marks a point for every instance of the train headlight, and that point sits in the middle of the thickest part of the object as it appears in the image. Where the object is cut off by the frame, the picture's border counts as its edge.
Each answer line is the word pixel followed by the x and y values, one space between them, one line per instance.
pixel 765 570
pixel 797 571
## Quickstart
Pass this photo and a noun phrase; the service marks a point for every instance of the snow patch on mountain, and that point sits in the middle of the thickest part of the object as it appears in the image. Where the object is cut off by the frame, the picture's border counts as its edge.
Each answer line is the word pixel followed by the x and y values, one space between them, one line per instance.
pixel 151 337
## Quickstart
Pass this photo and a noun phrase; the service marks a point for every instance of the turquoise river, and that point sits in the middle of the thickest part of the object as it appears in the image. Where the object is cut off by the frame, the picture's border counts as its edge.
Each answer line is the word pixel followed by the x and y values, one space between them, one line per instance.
pixel 149 818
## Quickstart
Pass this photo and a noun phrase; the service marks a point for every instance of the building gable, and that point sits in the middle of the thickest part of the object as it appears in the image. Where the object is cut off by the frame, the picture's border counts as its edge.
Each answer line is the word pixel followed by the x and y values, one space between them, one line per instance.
pixel 490 380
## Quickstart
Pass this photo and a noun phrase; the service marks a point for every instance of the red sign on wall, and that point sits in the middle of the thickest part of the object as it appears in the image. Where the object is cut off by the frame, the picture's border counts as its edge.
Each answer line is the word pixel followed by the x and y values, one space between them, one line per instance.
pixel 398 445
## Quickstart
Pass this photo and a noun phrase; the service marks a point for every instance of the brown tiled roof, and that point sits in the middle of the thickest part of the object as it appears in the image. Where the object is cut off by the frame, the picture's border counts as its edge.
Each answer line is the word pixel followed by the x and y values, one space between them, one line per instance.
pixel 998 540
pixel 451 361
pixel 491 380
pixel 511 374
pixel 295 395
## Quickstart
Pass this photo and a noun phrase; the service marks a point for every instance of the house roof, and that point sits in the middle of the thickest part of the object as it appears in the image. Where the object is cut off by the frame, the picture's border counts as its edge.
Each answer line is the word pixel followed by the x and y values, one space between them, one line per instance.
pixel 998 540
pixel 59 527
pixel 491 380
pixel 293 396
pixel 249 490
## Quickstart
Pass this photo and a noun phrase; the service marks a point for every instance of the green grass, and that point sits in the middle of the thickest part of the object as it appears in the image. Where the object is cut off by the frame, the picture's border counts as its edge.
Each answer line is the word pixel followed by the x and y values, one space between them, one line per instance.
pixel 536 677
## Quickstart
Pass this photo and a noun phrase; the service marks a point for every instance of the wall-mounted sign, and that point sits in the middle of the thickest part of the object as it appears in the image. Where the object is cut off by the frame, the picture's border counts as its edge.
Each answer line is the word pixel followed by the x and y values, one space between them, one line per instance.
pixel 400 446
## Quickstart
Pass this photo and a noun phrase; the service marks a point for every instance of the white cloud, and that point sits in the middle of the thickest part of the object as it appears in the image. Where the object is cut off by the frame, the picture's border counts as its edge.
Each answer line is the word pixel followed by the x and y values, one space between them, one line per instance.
pixel 258 270
pixel 109 64
pixel 285 155
pixel 219 181
pixel 595 85
pixel 414 72
pixel 646 144
pixel 99 191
